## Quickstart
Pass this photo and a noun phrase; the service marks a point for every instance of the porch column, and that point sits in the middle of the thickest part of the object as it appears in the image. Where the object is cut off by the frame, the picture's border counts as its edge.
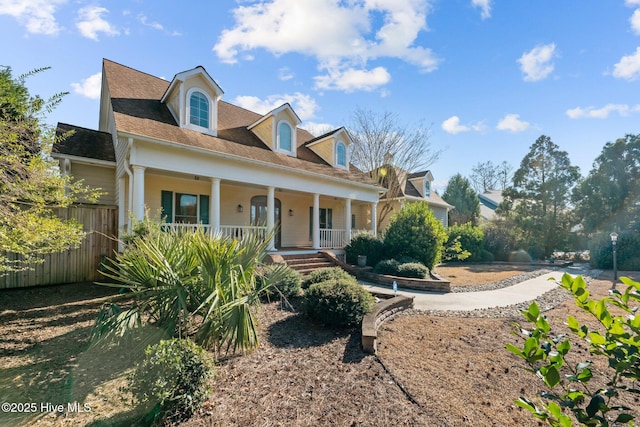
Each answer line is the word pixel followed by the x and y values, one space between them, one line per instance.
pixel 347 219
pixel 122 225
pixel 315 242
pixel 374 218
pixel 138 192
pixel 271 215
pixel 214 205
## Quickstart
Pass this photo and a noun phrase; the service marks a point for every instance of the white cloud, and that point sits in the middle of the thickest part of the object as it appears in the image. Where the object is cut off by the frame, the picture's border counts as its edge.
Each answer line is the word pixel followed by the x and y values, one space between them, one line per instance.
pixel 304 105
pixel 632 2
pixel 602 113
pixel 452 125
pixel 36 15
pixel 512 123
pixel 341 36
pixel 635 21
pixel 285 74
pixel 156 25
pixel 629 66
pixel 317 129
pixel 351 79
pixel 90 22
pixel 536 64
pixel 485 5
pixel 89 87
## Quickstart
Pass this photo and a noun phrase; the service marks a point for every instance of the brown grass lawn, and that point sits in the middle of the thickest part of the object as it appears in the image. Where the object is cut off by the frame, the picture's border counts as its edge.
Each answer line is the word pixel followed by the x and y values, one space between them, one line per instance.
pixel 432 371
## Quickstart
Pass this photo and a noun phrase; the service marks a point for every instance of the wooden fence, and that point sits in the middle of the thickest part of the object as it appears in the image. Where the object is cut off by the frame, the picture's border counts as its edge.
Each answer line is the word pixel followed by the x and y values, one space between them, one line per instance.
pixel 75 265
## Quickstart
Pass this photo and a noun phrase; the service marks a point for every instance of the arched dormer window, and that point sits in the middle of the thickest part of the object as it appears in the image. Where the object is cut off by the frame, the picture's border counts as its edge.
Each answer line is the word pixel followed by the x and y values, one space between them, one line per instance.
pixel 199 110
pixel 427 187
pixel 341 154
pixel 285 137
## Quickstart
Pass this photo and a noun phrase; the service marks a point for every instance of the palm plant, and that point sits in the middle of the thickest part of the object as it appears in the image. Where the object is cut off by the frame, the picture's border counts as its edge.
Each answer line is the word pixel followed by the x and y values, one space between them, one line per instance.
pixel 189 284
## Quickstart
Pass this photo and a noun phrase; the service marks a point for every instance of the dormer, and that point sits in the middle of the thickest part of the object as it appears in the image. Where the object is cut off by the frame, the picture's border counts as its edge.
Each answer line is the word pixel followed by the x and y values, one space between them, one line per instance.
pixel 192 98
pixel 277 129
pixel 333 147
pixel 422 182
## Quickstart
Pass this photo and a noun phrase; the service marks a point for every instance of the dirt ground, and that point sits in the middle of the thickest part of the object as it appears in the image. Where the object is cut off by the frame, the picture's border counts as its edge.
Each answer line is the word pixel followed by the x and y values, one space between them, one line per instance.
pixel 479 274
pixel 431 371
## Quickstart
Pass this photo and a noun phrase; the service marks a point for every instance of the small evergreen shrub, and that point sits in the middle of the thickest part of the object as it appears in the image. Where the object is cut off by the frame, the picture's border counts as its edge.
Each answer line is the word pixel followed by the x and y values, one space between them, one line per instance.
pixel 364 244
pixel 486 256
pixel 324 274
pixel 338 302
pixel 627 251
pixel 499 239
pixel 414 270
pixel 173 377
pixel 285 279
pixel 387 266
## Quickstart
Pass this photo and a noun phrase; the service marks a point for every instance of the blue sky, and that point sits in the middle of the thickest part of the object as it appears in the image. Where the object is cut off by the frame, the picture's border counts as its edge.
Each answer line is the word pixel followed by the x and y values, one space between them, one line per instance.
pixel 488 76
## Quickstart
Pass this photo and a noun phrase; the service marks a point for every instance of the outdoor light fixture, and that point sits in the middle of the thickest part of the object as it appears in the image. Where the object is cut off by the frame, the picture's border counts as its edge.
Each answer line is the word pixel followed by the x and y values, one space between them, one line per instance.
pixel 290 212
pixel 614 240
pixel 240 208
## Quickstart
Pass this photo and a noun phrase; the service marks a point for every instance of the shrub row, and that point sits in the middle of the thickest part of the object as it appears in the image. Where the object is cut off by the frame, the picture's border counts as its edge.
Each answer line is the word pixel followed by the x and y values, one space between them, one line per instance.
pixel 394 267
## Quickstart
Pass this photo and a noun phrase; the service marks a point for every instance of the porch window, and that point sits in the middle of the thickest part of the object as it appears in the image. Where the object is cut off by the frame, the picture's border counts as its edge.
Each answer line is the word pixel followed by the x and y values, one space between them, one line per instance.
pixel 326 219
pixel 185 208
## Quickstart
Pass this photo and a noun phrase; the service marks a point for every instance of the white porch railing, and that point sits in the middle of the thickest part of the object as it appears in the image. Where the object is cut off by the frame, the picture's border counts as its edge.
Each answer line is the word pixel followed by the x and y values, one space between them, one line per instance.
pixel 235 231
pixel 332 238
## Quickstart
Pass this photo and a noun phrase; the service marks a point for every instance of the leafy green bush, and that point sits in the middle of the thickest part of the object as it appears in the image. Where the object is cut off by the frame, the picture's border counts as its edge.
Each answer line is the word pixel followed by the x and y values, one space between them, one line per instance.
pixel 173 377
pixel 281 278
pixel 338 302
pixel 615 337
pixel 417 233
pixel 387 266
pixel 324 274
pixel 413 269
pixel 627 251
pixel 364 244
pixel 471 239
pixel 486 256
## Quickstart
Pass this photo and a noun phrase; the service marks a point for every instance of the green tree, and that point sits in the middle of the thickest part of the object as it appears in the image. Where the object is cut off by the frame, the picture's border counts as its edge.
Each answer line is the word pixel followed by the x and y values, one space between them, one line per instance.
pixel 461 195
pixel 31 186
pixel 538 200
pixel 609 198
pixel 416 233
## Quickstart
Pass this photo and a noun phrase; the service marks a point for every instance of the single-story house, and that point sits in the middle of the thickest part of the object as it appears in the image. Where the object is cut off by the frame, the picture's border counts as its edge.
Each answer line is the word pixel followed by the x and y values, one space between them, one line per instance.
pixel 176 150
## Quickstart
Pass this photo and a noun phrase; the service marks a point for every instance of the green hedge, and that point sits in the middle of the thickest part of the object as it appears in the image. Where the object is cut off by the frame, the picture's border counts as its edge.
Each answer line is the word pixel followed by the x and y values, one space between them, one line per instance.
pixel 364 244
pixel 627 251
pixel 324 274
pixel 338 302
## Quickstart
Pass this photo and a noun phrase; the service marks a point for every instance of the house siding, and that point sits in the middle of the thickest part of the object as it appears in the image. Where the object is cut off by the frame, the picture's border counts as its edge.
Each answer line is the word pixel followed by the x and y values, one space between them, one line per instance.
pixel 264 131
pixel 325 150
pixel 95 176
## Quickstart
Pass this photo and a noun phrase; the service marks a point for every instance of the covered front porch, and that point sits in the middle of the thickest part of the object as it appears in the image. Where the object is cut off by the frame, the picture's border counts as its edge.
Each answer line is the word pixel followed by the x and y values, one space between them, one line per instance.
pixel 302 220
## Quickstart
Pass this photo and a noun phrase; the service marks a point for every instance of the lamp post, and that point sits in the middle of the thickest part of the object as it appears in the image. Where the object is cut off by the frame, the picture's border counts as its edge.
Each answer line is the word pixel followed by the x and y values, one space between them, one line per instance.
pixel 614 240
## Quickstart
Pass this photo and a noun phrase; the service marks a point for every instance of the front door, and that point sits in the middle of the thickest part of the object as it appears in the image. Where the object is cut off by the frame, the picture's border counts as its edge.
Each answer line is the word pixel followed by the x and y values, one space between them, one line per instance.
pixel 259 215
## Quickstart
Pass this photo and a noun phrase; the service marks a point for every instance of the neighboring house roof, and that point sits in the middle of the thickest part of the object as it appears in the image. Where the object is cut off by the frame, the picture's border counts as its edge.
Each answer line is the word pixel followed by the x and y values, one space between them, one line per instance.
pixel 406 188
pixel 84 142
pixel 138 110
pixel 489 201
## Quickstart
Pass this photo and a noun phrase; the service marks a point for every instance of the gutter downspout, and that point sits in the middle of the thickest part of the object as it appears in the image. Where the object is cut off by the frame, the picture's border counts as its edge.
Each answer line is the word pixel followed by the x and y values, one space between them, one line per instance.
pixel 127 169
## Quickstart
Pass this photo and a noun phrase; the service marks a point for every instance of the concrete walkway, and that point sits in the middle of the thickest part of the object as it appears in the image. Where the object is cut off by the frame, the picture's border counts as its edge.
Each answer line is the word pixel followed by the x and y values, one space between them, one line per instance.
pixel 527 290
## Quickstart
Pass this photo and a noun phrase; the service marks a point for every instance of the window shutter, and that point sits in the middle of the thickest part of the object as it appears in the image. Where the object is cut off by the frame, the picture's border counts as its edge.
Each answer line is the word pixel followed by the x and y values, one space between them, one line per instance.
pixel 167 206
pixel 204 209
pixel 329 218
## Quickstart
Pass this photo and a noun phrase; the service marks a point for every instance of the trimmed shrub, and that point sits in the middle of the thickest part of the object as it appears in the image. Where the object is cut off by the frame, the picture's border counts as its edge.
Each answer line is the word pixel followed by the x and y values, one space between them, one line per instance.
pixel 387 266
pixel 486 256
pixel 283 278
pixel 471 240
pixel 364 244
pixel 413 269
pixel 520 256
pixel 173 377
pixel 338 302
pixel 417 233
pixel 324 274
